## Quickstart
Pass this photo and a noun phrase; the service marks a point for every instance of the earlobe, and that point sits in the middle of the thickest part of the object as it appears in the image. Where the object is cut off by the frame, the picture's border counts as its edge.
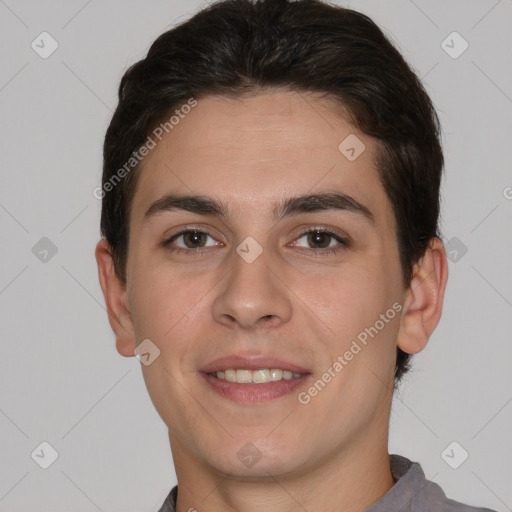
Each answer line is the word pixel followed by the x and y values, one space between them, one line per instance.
pixel 424 299
pixel 114 292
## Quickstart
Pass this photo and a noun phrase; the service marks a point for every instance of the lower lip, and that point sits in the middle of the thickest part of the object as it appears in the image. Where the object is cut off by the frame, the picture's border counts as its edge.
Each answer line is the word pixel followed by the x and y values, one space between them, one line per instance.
pixel 253 393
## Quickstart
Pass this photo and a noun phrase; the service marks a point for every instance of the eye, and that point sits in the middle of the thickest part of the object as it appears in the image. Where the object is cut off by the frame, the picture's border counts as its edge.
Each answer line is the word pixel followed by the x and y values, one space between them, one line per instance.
pixel 188 240
pixel 322 240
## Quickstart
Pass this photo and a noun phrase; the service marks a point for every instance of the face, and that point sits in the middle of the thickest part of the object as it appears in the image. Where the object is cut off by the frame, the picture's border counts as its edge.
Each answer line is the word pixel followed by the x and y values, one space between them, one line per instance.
pixel 284 261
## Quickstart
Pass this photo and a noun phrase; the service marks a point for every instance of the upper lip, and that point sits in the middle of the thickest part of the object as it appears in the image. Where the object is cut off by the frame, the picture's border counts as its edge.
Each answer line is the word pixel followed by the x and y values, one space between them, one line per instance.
pixel 250 363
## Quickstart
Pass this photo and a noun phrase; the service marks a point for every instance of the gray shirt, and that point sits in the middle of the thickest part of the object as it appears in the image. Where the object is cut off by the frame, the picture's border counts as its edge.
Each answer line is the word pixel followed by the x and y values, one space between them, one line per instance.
pixel 412 492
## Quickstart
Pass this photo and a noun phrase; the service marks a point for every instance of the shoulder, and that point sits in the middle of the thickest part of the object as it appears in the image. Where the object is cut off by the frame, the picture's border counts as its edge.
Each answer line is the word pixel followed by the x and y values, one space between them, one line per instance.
pixel 169 505
pixel 412 492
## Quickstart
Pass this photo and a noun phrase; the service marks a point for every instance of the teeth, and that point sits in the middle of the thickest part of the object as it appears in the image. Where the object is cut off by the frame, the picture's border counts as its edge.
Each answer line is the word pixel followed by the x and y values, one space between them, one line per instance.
pixel 244 376
pixel 276 374
pixel 229 375
pixel 257 376
pixel 260 376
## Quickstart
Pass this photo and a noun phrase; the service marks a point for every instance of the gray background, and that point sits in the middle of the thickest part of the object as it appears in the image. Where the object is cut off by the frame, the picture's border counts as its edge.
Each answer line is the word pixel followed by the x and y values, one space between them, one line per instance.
pixel 63 381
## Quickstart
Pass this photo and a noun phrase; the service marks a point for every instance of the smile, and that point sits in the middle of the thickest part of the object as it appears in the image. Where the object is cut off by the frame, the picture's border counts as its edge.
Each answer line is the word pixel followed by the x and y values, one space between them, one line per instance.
pixel 259 376
pixel 253 380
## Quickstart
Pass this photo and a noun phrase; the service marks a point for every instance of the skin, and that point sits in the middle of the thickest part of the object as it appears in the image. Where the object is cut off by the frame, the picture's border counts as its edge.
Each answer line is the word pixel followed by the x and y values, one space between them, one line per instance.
pixel 291 303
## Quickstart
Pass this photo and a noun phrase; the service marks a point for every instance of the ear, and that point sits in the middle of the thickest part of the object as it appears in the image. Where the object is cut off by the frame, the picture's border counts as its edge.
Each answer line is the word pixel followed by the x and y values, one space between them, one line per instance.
pixel 114 292
pixel 424 299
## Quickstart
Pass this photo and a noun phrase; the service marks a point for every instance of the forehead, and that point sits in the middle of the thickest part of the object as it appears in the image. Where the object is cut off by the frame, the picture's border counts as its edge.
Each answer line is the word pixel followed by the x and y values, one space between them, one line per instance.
pixel 252 151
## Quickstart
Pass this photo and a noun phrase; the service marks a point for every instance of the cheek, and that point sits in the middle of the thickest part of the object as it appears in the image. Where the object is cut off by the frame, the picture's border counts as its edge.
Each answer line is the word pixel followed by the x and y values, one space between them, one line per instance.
pixel 349 299
pixel 357 305
pixel 158 303
pixel 172 310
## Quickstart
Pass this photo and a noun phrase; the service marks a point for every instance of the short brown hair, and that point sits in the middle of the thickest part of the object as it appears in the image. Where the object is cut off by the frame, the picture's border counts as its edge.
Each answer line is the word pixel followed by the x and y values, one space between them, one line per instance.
pixel 236 46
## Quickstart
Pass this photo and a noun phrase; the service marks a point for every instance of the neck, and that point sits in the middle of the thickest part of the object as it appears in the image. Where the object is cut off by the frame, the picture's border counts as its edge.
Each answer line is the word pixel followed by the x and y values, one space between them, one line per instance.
pixel 351 480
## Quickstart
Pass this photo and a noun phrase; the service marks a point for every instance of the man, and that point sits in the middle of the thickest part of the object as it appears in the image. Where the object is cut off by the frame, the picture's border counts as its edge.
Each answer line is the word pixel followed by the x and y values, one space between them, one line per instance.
pixel 271 253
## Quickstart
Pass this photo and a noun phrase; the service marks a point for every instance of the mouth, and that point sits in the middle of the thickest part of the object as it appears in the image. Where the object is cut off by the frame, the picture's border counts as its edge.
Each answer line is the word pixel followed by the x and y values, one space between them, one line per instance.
pixel 256 380
pixel 259 376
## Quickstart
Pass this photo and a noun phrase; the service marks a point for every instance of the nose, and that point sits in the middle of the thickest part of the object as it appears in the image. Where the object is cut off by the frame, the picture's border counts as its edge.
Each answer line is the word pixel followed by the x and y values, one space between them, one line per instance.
pixel 253 295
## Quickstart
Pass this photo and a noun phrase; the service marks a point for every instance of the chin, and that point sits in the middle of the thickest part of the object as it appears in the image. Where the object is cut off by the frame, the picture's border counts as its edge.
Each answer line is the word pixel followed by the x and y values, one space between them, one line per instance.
pixel 256 460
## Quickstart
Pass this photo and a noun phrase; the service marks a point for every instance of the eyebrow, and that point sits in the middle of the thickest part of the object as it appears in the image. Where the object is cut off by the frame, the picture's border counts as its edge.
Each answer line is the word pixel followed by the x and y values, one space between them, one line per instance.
pixel 307 203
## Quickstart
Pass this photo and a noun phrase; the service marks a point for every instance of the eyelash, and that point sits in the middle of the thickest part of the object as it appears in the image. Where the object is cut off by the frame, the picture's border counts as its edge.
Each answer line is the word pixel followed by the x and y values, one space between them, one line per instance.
pixel 343 242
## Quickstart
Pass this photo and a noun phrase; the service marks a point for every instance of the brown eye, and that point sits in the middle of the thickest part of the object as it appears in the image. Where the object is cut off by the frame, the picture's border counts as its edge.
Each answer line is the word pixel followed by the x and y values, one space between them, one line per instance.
pixel 321 239
pixel 190 240
pixel 194 239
